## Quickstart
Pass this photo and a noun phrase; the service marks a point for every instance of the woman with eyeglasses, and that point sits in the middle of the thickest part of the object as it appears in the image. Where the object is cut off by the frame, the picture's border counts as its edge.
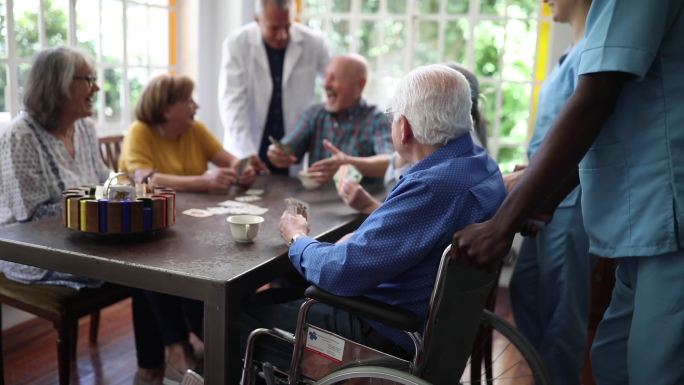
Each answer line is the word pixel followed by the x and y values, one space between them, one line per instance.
pixel 50 146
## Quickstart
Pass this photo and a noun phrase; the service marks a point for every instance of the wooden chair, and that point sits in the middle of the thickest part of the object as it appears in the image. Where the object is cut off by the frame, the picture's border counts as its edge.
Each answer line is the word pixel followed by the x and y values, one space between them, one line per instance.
pixel 63 307
pixel 110 149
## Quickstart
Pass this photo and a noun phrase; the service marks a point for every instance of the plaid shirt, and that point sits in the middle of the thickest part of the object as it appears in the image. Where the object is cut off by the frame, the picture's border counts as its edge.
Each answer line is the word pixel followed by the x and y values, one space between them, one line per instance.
pixel 362 130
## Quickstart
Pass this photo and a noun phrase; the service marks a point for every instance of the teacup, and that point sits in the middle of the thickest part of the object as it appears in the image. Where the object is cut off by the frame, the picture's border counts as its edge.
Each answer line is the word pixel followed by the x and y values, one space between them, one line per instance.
pixel 244 228
pixel 307 181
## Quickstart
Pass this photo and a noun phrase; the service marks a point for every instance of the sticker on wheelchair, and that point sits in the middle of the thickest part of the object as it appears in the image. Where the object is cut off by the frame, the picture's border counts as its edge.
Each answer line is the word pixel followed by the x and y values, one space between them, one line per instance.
pixel 325 352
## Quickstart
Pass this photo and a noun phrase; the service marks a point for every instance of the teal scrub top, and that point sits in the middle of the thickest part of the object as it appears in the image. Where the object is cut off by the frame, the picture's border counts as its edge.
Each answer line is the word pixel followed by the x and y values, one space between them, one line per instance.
pixel 555 92
pixel 633 175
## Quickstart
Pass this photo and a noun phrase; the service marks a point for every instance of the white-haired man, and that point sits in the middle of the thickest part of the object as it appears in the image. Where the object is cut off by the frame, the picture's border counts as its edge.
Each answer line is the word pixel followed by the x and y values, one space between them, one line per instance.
pixel 267 77
pixel 394 255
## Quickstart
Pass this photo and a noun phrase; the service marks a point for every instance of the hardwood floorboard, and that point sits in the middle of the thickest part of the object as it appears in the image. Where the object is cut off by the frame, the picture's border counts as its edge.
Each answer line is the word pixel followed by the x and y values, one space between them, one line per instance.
pixel 30 351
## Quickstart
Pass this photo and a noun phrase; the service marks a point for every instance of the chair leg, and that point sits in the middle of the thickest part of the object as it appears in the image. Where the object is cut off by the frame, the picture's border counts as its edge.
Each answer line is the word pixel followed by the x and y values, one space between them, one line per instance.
pixel 2 372
pixel 65 349
pixel 94 326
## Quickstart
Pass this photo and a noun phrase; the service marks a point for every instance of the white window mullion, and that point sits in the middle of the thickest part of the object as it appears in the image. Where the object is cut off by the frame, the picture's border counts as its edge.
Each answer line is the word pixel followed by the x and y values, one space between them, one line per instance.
pixel 41 24
pixel 71 39
pixel 355 25
pixel 441 31
pixel 12 64
pixel 411 20
pixel 126 94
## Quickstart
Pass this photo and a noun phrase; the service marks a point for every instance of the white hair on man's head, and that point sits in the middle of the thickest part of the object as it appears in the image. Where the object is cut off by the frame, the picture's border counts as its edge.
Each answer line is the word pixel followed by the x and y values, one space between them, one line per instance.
pixel 282 4
pixel 435 99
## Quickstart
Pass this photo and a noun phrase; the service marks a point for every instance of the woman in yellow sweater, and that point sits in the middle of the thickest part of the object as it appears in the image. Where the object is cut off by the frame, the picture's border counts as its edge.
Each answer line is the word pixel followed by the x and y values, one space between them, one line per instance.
pixel 171 148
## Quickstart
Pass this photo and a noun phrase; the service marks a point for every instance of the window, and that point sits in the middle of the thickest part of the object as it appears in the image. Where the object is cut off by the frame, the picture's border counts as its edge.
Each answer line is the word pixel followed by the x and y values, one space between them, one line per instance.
pixel 494 38
pixel 130 41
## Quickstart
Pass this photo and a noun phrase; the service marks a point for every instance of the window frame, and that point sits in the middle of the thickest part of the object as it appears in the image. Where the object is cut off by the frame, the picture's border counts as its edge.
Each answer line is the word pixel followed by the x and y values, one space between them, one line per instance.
pixel 12 61
pixel 413 16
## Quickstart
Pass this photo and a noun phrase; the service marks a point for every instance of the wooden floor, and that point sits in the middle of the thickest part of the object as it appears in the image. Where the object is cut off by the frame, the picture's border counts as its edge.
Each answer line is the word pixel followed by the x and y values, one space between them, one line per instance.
pixel 30 353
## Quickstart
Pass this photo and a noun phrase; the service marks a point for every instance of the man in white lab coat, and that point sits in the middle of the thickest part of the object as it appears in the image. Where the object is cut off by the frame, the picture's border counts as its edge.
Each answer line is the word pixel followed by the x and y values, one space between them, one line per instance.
pixel 267 78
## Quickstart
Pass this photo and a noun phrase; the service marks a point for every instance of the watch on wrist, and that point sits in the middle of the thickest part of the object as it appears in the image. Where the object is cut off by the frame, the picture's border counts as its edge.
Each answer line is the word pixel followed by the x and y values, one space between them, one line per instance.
pixel 295 237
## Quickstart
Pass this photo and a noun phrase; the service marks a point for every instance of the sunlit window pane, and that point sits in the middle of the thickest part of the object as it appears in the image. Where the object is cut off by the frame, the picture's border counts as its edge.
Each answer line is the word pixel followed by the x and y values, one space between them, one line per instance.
pixel 3 30
pixel 341 6
pixel 457 6
pixel 426 45
pixel 518 63
pixel 393 48
pixel 56 22
pixel 368 37
pixel 137 79
pixel 158 35
pixel 523 8
pixel 509 157
pixel 112 23
pixel 370 6
pixel 26 27
pixel 158 2
pixel 428 6
pixel 4 92
pixel 516 103
pixel 137 36
pixel 489 38
pixel 456 41
pixel 396 6
pixel 22 76
pixel 492 7
pixel 112 87
pixel 341 36
pixel 315 6
pixel 87 25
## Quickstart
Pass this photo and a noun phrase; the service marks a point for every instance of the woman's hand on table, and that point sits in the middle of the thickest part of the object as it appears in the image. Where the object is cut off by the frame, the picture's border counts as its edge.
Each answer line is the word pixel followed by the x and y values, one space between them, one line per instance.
pixel 247 177
pixel 292 224
pixel 220 178
pixel 357 197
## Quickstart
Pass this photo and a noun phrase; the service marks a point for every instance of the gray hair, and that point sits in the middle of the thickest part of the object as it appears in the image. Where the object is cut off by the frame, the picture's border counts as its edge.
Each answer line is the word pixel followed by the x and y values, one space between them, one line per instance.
pixel 435 99
pixel 47 88
pixel 260 4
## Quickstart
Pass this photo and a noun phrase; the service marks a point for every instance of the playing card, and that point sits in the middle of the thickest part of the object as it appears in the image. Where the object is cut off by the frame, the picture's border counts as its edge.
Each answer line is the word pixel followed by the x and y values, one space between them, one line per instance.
pixel 197 213
pixel 297 207
pixel 346 172
pixel 248 198
pixel 254 191
pixel 286 148
pixel 235 208
pixel 242 165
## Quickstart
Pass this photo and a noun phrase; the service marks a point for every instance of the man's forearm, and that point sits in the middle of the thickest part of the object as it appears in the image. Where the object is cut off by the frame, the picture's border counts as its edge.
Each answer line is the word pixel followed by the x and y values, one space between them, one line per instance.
pixel 573 132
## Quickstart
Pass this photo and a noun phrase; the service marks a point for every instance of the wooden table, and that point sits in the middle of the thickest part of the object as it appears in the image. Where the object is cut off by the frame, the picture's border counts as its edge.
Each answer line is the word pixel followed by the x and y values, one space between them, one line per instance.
pixel 196 258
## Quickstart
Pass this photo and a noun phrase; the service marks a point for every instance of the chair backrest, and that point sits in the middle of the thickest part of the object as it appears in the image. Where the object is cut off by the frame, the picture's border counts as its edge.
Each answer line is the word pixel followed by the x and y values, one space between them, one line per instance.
pixel 110 149
pixel 456 305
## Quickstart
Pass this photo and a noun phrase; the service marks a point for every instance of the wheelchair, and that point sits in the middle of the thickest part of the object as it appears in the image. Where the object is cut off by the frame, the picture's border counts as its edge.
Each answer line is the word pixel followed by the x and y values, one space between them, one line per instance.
pixel 460 343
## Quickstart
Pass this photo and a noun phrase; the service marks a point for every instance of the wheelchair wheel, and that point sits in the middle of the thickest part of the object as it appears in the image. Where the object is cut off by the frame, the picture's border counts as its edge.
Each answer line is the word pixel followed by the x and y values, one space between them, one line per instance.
pixel 370 375
pixel 513 359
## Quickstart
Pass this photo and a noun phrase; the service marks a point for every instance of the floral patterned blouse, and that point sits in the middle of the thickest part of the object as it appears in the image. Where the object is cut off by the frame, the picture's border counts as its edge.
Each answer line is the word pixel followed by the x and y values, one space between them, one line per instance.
pixel 35 168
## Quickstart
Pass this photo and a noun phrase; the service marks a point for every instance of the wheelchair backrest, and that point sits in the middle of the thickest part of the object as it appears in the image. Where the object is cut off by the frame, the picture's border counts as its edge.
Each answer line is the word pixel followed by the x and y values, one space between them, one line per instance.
pixel 459 295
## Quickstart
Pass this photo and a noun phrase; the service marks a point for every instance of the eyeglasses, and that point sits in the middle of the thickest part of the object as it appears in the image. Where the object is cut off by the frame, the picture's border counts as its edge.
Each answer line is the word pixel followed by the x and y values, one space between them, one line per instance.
pixel 91 80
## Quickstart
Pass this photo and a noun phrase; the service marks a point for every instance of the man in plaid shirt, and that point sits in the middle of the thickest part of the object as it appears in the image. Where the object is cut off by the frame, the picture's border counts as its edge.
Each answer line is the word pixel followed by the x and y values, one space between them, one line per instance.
pixel 343 127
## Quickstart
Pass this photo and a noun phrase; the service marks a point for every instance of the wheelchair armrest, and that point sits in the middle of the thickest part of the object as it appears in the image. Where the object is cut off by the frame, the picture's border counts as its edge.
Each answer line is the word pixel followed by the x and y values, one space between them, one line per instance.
pixel 368 308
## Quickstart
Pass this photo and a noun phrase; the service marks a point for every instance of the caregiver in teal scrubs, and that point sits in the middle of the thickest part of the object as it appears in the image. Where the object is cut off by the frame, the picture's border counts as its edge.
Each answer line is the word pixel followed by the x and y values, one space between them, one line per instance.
pixel 625 122
pixel 550 288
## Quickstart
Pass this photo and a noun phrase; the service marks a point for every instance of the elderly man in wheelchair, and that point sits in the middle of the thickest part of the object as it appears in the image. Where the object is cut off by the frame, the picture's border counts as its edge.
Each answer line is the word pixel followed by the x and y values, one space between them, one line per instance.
pixel 390 306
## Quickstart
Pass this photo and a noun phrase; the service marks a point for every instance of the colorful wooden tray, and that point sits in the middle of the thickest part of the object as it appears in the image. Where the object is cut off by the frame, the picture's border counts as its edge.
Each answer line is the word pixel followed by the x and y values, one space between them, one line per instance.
pixel 86 210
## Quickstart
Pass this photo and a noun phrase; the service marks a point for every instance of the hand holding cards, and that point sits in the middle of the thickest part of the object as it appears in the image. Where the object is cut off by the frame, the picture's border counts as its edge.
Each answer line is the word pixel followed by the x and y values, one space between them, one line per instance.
pixel 346 172
pixel 286 148
pixel 296 207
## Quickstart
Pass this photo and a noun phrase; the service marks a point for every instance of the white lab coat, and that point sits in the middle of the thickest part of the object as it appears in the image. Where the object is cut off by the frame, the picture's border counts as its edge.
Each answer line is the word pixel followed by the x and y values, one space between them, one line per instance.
pixel 245 84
